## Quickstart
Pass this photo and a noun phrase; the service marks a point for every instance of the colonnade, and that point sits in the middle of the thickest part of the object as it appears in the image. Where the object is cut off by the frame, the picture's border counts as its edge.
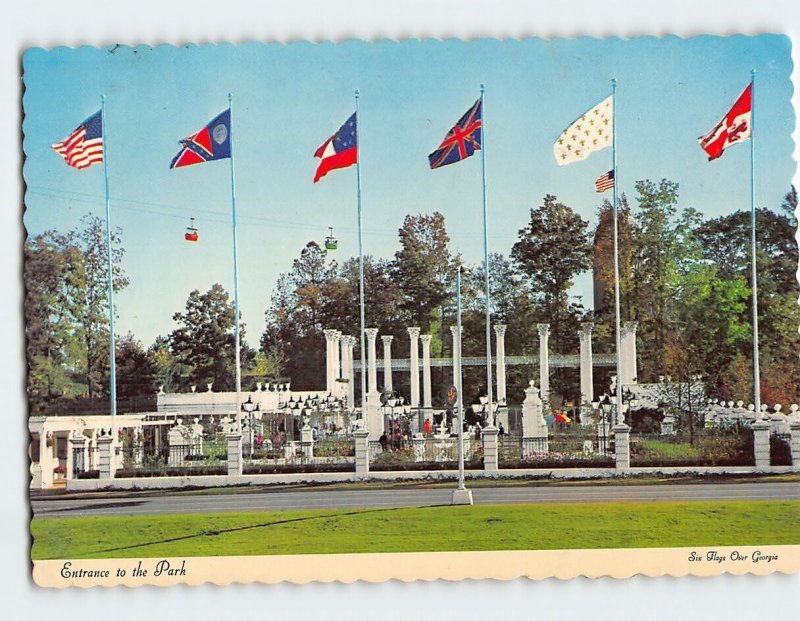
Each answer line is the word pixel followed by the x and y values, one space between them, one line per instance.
pixel 339 357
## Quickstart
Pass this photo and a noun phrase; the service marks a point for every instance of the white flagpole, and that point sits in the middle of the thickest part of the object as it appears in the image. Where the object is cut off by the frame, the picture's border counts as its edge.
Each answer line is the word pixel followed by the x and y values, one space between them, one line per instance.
pixel 111 340
pixel 235 277
pixel 620 415
pixel 360 273
pixel 490 417
pixel 756 371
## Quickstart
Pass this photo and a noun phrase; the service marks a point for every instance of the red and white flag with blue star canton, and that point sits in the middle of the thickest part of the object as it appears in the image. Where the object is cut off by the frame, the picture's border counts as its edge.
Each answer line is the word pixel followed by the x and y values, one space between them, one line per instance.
pixel 461 141
pixel 338 151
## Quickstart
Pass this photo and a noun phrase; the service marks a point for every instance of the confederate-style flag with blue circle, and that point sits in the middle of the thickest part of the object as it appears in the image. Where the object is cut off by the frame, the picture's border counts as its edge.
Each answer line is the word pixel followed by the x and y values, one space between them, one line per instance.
pixel 213 142
pixel 461 141
pixel 338 151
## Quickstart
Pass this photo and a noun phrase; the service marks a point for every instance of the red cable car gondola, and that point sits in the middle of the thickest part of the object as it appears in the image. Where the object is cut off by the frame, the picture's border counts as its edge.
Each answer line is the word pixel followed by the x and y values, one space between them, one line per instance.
pixel 191 233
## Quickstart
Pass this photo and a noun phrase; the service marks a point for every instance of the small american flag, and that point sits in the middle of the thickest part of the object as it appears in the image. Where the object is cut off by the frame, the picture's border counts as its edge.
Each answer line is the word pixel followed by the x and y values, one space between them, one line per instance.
pixel 604 182
pixel 84 146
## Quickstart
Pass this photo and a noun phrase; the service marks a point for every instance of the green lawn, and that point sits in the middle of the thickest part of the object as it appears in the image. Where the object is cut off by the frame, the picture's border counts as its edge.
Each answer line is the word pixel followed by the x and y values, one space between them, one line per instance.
pixel 484 527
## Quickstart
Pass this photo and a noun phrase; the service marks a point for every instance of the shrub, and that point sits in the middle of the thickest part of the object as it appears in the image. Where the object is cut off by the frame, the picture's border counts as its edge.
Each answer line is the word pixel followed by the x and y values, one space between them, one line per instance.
pixel 780 452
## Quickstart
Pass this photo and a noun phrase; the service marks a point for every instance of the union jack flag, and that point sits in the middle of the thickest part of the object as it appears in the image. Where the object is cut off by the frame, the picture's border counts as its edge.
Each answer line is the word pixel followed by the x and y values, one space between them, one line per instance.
pixel 461 141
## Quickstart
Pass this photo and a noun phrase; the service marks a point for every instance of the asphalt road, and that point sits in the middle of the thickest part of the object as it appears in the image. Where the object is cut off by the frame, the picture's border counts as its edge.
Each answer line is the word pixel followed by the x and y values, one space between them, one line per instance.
pixel 321 498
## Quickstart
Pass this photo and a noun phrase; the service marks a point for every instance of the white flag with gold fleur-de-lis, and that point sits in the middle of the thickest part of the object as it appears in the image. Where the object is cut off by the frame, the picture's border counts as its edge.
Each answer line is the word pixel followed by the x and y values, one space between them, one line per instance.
pixel 590 133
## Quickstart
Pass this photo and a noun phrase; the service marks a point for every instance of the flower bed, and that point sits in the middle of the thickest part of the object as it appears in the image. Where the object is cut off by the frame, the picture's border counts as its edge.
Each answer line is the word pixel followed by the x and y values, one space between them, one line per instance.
pixel 134 473
pixel 255 468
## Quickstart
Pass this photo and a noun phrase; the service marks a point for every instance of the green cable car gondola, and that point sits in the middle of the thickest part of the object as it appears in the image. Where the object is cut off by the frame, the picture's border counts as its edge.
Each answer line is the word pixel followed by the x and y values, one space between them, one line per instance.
pixel 331 243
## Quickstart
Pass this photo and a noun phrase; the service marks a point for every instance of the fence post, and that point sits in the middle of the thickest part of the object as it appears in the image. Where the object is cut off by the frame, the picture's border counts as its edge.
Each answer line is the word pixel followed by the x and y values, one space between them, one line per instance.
pixel 361 439
pixel 761 431
pixel 179 444
pixel 234 442
pixel 307 441
pixel 534 428
pixel 77 448
pixel 622 452
pixel 490 461
pixel 104 457
pixel 794 442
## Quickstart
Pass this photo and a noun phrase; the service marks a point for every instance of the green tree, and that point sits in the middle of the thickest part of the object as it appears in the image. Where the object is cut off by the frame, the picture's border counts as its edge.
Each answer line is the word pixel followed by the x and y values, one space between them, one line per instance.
pixel 424 269
pixel 204 341
pixel 135 370
pixel 50 265
pixel 297 316
pixel 725 241
pixel 168 373
pixel 88 290
pixel 709 328
pixel 552 249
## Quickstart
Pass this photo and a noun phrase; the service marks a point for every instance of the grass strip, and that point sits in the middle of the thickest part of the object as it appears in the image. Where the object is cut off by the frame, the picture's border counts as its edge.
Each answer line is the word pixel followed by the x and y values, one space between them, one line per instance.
pixel 422 529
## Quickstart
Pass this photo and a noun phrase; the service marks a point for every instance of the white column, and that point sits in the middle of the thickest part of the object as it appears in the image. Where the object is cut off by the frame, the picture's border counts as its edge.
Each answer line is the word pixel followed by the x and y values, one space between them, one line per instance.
pixel 347 343
pixel 372 376
pixel 587 378
pixel 628 353
pixel 331 359
pixel 427 397
pixel 456 353
pixel 351 387
pixel 500 356
pixel 336 357
pixel 343 356
pixel 622 378
pixel 634 367
pixel 413 333
pixel 46 458
pixel 544 362
pixel 387 362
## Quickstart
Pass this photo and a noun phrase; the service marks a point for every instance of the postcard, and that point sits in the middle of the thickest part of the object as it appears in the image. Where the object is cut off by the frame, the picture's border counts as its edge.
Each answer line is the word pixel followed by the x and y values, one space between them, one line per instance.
pixel 411 309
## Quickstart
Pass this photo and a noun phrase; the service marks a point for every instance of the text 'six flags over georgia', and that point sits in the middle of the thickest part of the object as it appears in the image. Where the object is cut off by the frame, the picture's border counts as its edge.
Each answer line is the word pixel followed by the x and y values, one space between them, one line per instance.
pixel 461 141
pixel 338 151
pixel 590 133
pixel 213 142
pixel 84 146
pixel 734 127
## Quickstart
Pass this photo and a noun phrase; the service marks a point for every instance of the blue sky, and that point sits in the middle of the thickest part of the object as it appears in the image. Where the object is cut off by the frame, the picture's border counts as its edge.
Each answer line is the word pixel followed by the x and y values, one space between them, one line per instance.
pixel 289 98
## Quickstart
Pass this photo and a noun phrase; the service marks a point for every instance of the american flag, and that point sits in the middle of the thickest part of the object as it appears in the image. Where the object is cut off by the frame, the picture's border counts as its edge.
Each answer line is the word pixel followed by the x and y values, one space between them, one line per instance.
pixel 604 182
pixel 84 146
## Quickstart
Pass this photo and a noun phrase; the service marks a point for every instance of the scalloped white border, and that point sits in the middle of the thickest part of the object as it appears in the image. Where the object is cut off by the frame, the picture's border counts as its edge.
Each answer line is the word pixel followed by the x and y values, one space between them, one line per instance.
pixel 50 22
